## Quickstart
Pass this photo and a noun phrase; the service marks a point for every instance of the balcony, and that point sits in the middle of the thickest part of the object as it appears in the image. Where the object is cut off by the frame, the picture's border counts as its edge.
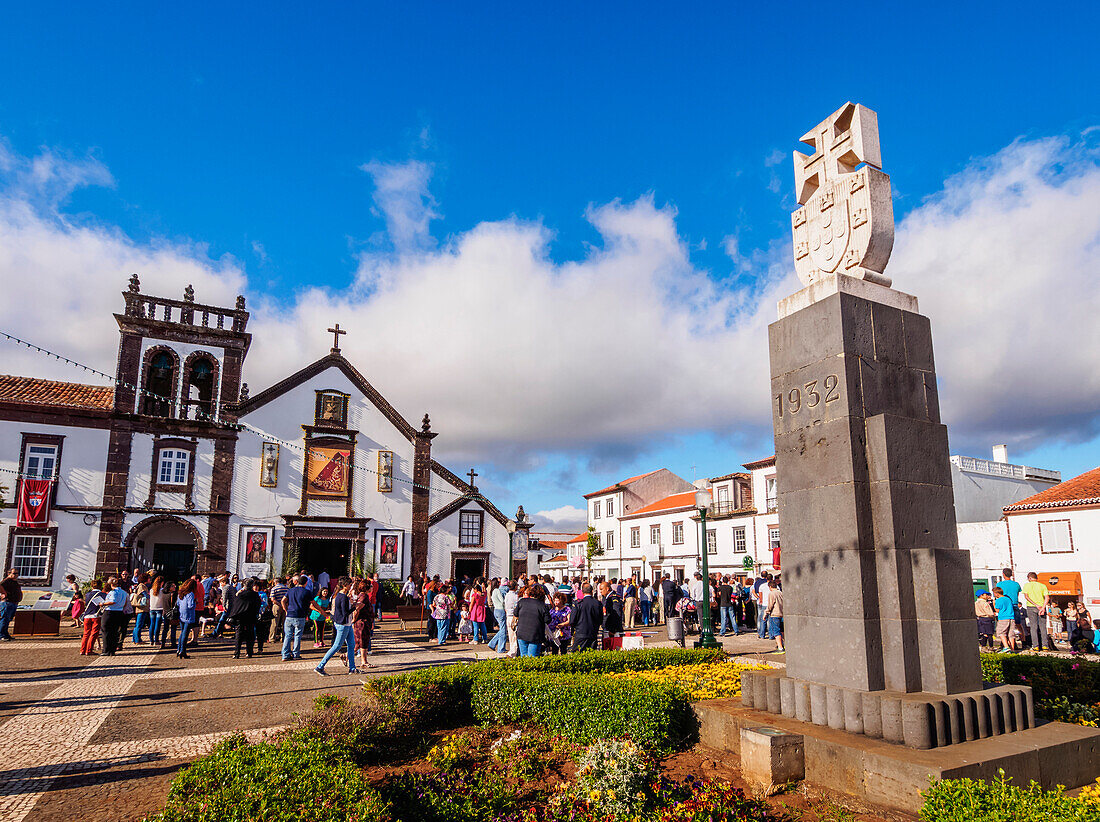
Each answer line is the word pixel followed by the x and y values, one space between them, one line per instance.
pixel 773 505
pixel 726 508
pixel 187 312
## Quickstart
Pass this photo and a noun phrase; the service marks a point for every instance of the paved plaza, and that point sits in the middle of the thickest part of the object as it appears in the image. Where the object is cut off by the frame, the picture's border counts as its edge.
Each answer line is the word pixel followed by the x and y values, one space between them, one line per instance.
pixel 99 738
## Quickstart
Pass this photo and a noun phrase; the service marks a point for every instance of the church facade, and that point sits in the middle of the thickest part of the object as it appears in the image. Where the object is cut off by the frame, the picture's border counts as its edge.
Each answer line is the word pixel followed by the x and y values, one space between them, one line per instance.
pixel 176 468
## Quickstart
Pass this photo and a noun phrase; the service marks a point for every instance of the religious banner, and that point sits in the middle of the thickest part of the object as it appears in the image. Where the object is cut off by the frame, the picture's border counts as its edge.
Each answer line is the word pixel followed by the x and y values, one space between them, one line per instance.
pixel 255 548
pixel 388 551
pixel 327 471
pixel 33 510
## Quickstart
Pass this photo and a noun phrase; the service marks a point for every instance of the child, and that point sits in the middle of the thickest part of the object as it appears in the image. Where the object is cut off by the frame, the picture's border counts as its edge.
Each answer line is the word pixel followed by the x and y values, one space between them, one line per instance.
pixel 465 626
pixel 1003 606
pixel 77 608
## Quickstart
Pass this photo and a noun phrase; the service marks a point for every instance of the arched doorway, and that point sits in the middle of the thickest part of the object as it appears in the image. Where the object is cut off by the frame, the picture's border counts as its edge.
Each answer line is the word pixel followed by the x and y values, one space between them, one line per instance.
pixel 165 545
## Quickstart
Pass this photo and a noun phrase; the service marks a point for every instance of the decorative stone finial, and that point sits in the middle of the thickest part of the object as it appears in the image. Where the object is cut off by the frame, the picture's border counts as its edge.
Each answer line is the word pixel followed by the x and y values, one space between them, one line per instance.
pixel 845 224
pixel 426 425
pixel 135 284
pixel 521 515
pixel 189 294
pixel 244 391
pixel 240 302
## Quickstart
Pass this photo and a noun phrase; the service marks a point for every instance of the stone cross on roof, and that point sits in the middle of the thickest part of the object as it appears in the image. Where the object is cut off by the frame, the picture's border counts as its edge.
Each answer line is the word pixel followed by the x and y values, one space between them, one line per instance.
pixel 471 474
pixel 336 332
pixel 845 224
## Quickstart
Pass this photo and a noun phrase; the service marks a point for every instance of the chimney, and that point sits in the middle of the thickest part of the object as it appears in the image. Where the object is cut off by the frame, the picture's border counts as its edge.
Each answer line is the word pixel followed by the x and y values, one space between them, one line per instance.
pixel 1000 453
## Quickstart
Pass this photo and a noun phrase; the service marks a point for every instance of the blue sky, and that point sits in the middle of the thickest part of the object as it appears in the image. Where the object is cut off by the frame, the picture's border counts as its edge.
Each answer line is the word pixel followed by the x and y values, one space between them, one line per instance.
pixel 255 142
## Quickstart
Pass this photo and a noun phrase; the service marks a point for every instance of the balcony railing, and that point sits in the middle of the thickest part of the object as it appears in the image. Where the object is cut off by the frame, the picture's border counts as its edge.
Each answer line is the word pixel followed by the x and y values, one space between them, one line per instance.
pixel 773 505
pixel 186 312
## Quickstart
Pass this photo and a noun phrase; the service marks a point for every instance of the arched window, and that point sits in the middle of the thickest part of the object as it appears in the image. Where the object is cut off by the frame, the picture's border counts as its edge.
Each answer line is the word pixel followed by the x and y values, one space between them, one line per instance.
pixel 200 388
pixel 160 385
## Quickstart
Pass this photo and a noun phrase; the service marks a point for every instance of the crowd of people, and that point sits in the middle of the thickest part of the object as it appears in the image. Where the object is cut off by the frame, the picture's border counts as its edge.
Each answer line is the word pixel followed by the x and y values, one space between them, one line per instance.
pixel 532 615
pixel 1013 617
pixel 147 609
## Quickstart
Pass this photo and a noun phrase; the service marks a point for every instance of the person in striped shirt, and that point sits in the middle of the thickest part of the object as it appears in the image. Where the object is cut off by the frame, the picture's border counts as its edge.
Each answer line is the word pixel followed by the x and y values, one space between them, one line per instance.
pixel 278 613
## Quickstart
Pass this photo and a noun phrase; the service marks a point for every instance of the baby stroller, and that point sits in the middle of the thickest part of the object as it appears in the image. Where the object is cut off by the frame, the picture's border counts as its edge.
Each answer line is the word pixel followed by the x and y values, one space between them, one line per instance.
pixel 686 610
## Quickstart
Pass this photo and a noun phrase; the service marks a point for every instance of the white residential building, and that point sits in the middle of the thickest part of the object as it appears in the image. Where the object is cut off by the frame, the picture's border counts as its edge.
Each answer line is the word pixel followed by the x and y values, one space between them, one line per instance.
pixel 1056 534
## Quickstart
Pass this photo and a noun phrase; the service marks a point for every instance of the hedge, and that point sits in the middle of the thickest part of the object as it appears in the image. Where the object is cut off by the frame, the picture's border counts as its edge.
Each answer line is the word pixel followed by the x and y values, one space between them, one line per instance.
pixel 448 688
pixel 565 692
pixel 297 779
pixel 1052 676
pixel 968 800
pixel 588 707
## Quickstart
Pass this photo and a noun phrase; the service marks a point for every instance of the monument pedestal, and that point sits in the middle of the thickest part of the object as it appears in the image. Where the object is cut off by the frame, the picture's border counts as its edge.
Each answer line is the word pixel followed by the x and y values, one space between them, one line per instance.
pixel 916 720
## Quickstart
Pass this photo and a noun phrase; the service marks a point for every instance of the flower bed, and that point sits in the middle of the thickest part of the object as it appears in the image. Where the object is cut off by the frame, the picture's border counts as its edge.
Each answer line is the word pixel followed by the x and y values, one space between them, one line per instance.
pixel 708 680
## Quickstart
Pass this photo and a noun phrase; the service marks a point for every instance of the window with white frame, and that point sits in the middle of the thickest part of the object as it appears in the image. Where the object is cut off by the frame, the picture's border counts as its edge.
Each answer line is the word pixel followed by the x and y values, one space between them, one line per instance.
pixel 40 461
pixel 172 469
pixel 1055 537
pixel 771 492
pixel 610 506
pixel 469 528
pixel 30 555
pixel 740 544
pixel 635 537
pixel 654 534
pixel 610 540
pixel 677 533
pixel 712 541
pixel 596 509
pixel 773 538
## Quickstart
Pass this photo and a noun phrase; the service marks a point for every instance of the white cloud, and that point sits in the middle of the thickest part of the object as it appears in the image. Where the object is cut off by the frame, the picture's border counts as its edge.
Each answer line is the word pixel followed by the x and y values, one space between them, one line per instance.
pixel 516 355
pixel 1005 260
pixel 568 519
pixel 402 198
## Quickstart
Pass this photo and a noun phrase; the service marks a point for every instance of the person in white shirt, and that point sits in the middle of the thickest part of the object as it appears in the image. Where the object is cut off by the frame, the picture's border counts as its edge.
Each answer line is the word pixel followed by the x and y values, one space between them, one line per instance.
pixel 695 589
pixel 510 602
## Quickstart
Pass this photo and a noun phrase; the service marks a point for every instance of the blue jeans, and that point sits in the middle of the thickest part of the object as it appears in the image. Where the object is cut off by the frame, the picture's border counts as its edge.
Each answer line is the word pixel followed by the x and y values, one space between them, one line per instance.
pixel 761 623
pixel 499 642
pixel 292 641
pixel 155 619
pixel 185 629
pixel 481 633
pixel 443 629
pixel 728 618
pixel 7 614
pixel 647 610
pixel 141 619
pixel 529 648
pixel 775 627
pixel 344 637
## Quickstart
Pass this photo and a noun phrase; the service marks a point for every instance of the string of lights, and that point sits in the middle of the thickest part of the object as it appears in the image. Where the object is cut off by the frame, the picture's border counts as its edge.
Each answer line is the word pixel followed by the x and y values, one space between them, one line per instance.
pixel 235 425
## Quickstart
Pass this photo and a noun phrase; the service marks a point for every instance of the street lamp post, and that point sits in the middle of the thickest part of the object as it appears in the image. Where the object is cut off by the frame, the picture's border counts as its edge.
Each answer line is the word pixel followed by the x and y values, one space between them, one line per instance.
pixel 706 633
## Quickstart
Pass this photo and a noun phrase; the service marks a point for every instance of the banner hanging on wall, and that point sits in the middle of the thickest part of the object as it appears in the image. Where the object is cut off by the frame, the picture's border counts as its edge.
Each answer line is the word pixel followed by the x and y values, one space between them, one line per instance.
pixel 389 553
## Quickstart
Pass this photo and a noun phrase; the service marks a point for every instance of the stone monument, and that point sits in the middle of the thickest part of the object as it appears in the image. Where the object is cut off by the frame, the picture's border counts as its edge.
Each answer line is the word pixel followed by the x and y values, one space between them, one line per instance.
pixel 879 619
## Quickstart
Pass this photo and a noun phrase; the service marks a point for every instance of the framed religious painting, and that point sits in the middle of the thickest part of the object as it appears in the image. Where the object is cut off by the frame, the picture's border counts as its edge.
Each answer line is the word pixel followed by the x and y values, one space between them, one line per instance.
pixel 328 470
pixel 256 550
pixel 269 465
pixel 389 550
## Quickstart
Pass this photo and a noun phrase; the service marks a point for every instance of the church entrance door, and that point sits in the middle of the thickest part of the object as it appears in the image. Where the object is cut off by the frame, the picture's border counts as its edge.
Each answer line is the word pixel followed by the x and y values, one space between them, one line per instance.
pixel 469 568
pixel 331 555
pixel 174 561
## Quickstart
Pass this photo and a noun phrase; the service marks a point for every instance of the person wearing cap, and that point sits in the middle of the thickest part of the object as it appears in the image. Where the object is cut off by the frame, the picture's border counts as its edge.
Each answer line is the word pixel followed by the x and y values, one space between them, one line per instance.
pixel 987 619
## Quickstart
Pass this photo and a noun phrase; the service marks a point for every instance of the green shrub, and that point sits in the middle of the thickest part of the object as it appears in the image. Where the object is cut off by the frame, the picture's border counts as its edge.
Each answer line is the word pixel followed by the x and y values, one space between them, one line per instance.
pixel 586 707
pixel 1052 676
pixel 449 796
pixel 367 728
pixel 445 690
pixel 968 800
pixel 1061 709
pixel 295 780
pixel 992 671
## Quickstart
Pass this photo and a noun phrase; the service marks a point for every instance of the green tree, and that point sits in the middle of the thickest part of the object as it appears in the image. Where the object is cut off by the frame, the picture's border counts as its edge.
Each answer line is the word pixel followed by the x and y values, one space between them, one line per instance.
pixel 594 549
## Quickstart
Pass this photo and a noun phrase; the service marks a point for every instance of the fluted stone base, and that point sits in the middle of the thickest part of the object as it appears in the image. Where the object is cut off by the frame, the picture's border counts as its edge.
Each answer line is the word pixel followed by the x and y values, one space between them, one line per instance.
pixel 916 720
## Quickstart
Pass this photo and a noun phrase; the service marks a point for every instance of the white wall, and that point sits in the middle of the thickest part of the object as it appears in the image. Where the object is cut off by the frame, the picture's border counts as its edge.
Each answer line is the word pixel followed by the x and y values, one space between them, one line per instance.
pixel 83 460
pixel 987 543
pixel 1085 559
pixel 443 540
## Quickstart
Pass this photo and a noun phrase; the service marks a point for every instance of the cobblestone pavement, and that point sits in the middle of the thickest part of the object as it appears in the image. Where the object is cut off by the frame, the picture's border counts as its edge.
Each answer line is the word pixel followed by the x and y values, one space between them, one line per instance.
pixel 100 737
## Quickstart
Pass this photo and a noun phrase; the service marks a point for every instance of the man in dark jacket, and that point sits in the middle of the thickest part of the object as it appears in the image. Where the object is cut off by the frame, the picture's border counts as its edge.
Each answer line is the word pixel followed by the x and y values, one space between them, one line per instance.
pixel 612 610
pixel 670 592
pixel 585 620
pixel 243 611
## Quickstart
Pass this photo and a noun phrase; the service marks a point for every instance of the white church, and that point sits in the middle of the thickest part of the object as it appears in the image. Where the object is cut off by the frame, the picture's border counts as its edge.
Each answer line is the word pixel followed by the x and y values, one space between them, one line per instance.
pixel 176 468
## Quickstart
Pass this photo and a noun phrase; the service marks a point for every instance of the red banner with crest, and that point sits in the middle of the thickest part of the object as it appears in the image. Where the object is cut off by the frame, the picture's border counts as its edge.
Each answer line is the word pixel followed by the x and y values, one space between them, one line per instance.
pixel 34 503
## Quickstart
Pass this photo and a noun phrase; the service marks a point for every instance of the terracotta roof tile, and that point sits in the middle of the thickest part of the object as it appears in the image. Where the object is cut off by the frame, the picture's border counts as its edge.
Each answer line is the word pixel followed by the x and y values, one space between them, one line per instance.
pixel 684 500
pixel 34 391
pixel 764 463
pixel 1081 490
